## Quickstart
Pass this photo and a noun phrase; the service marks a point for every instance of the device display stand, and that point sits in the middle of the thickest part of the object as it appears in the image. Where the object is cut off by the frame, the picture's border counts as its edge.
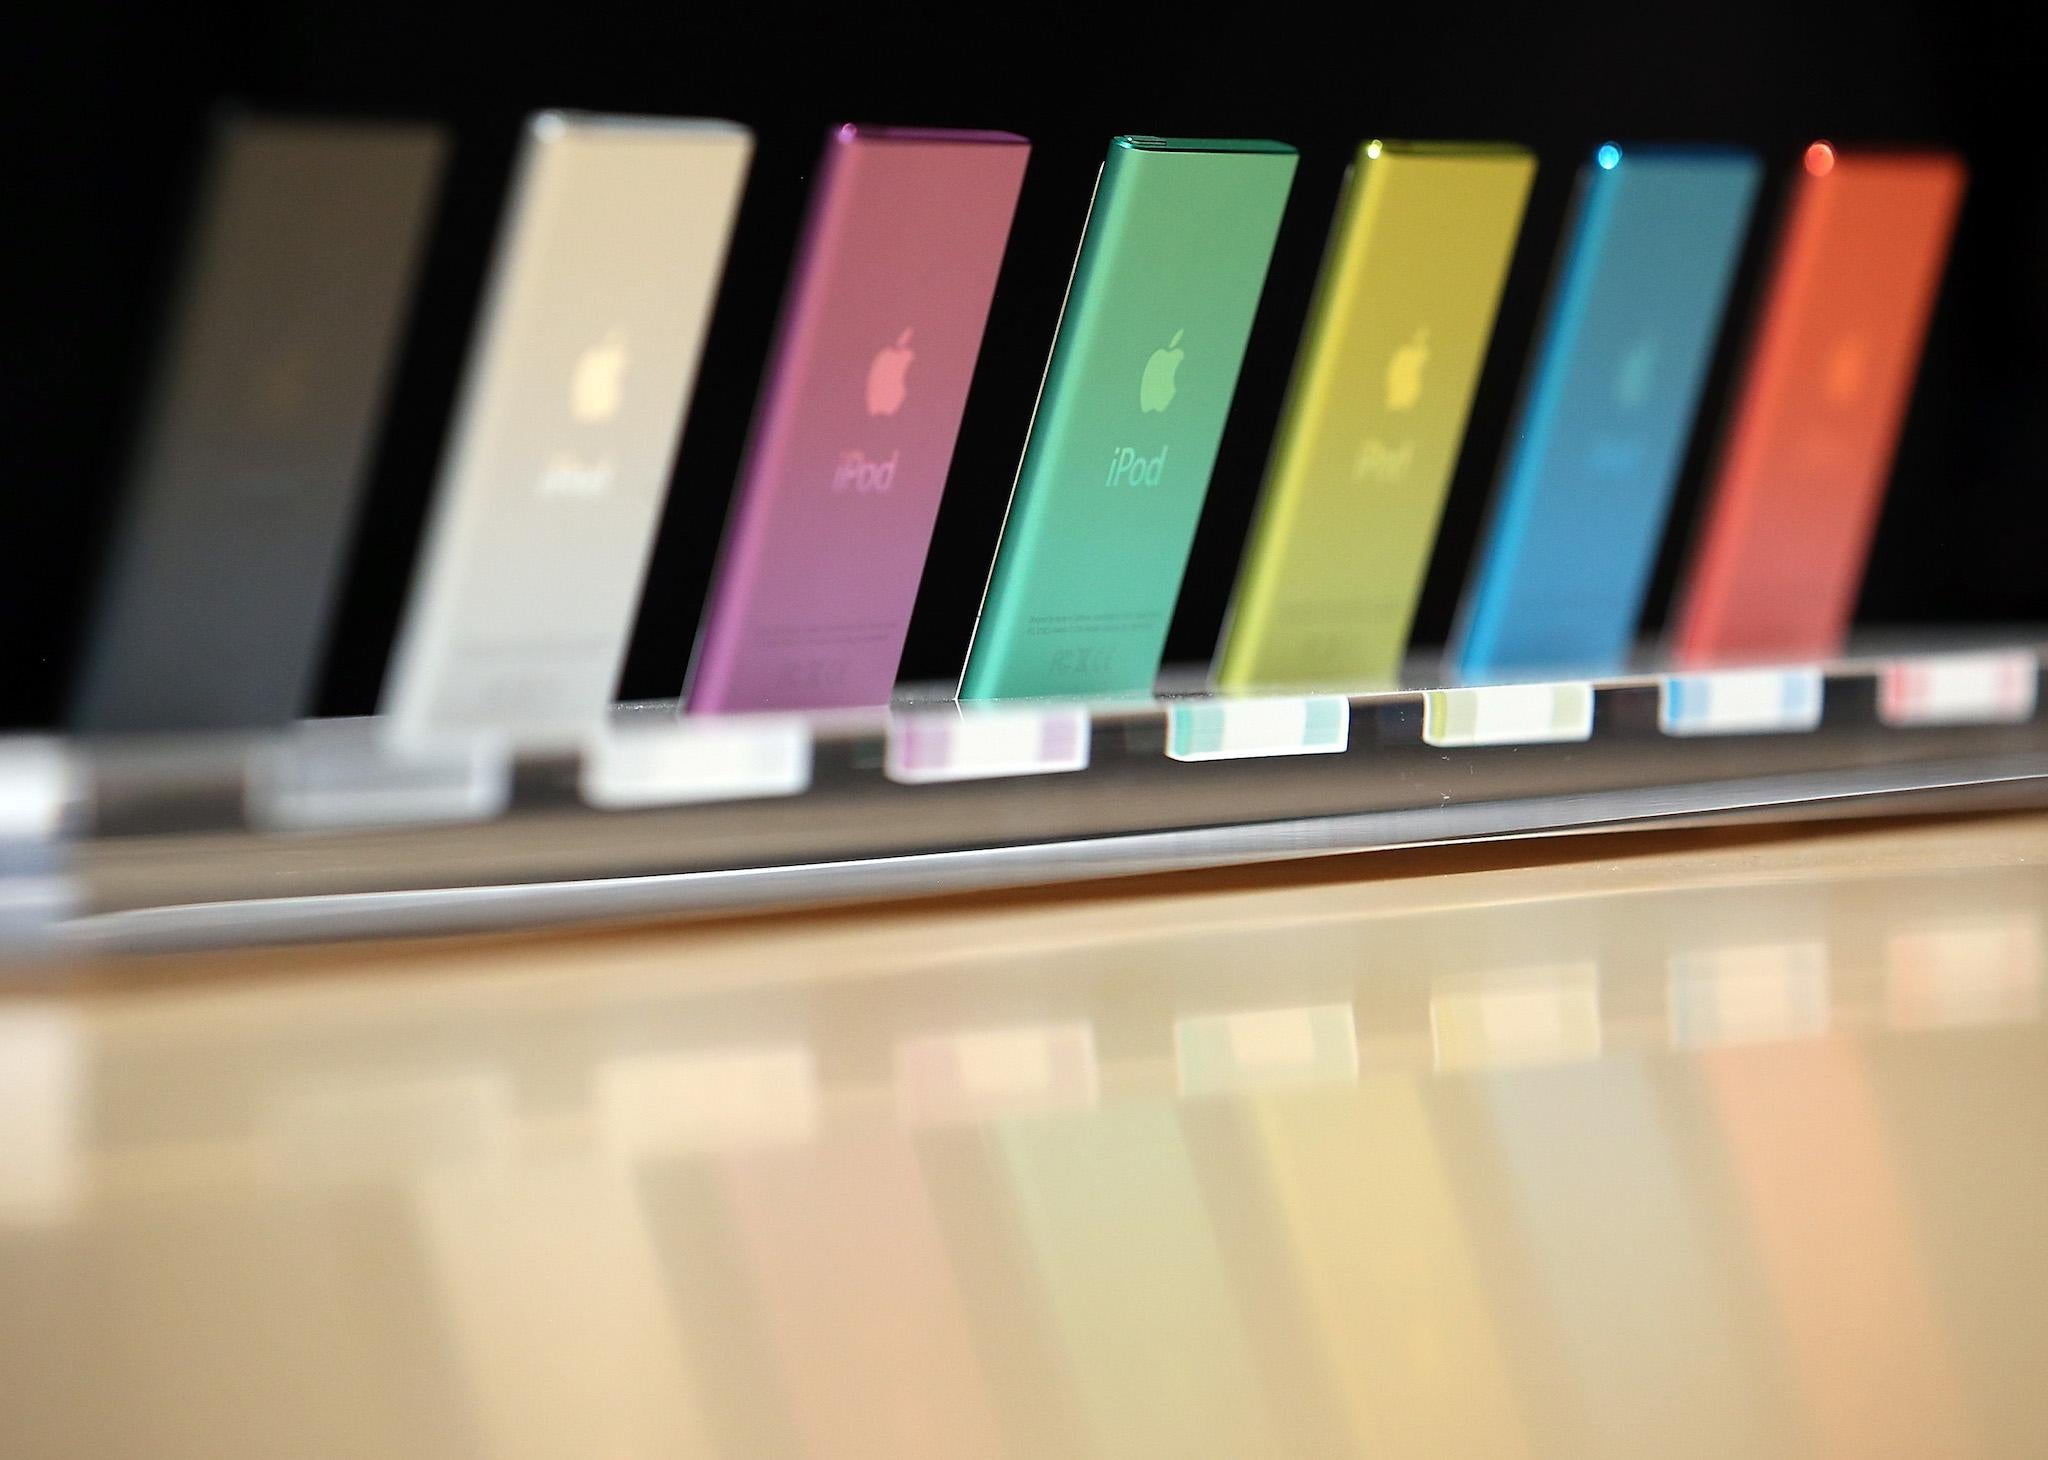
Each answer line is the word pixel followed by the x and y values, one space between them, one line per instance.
pixel 327 830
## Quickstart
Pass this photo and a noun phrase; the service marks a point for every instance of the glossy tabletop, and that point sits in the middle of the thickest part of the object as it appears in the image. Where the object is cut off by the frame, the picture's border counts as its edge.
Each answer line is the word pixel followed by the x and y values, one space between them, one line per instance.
pixel 1729 1143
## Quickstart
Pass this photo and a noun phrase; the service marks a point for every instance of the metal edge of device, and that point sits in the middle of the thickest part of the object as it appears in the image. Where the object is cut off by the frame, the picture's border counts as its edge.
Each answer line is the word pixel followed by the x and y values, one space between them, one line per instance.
pixel 471 909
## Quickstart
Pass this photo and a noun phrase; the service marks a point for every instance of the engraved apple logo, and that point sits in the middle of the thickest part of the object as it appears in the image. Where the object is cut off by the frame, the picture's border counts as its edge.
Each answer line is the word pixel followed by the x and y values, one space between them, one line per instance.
pixel 1847 365
pixel 599 379
pixel 1638 372
pixel 1156 390
pixel 1404 372
pixel 887 386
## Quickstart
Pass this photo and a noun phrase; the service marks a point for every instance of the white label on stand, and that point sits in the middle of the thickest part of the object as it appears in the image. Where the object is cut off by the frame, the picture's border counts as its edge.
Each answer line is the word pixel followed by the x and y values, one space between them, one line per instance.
pixel 38 780
pixel 1750 995
pixel 963 744
pixel 319 782
pixel 1250 729
pixel 1317 1044
pixel 1508 714
pixel 1740 702
pixel 735 759
pixel 986 1074
pixel 1995 688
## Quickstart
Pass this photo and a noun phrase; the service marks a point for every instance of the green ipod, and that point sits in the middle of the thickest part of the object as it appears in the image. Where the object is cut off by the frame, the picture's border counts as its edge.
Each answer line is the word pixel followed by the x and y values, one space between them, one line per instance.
pixel 1132 410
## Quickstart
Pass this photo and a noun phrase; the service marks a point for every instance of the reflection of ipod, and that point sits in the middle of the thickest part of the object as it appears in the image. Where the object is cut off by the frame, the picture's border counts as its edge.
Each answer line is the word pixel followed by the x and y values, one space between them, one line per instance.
pixel 1607 411
pixel 558 463
pixel 855 430
pixel 1375 414
pixel 1129 418
pixel 228 557
pixel 1803 470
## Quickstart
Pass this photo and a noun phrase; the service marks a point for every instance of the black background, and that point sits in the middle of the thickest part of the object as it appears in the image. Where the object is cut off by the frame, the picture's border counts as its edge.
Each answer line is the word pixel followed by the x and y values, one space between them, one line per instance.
pixel 110 103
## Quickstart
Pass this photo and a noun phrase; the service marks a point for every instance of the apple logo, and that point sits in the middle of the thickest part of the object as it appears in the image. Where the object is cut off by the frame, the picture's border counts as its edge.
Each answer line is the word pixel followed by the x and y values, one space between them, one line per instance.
pixel 1637 373
pixel 886 384
pixel 599 379
pixel 1156 390
pixel 1848 362
pixel 1404 372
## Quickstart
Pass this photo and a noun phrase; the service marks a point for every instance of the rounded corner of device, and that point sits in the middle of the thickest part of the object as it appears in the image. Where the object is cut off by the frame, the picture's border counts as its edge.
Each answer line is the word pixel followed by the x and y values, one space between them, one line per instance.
pixel 1943 162
pixel 1514 157
pixel 1256 146
pixel 851 133
pixel 550 124
pixel 556 124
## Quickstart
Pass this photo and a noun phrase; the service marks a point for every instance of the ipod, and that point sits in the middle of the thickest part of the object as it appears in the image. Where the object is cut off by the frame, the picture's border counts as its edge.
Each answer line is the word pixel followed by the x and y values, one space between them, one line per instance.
pixel 1607 411
pixel 1130 414
pixel 553 479
pixel 1781 550
pixel 1375 414
pixel 226 562
pixel 854 432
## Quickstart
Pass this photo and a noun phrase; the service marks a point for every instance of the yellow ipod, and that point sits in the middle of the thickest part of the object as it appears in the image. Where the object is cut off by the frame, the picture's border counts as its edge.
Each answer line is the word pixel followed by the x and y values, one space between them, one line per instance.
pixel 1375 415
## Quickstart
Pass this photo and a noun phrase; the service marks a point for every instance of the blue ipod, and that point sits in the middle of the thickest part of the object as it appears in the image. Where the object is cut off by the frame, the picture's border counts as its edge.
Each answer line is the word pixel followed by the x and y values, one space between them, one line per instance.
pixel 1607 410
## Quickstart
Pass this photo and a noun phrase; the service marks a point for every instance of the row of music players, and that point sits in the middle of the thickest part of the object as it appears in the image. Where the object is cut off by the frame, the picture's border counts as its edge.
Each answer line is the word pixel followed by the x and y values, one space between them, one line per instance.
pixel 215 603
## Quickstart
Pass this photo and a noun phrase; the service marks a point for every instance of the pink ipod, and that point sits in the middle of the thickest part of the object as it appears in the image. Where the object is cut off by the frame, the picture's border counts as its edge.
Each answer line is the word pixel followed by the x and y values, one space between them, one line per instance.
pixel 854 434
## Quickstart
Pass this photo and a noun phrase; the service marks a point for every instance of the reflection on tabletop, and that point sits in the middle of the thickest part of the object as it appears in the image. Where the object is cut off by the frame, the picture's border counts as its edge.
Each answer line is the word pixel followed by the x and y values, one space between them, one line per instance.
pixel 1722 1145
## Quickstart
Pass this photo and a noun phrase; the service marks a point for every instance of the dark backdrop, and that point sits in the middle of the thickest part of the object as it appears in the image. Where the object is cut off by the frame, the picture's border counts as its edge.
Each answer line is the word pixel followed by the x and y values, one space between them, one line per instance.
pixel 111 103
